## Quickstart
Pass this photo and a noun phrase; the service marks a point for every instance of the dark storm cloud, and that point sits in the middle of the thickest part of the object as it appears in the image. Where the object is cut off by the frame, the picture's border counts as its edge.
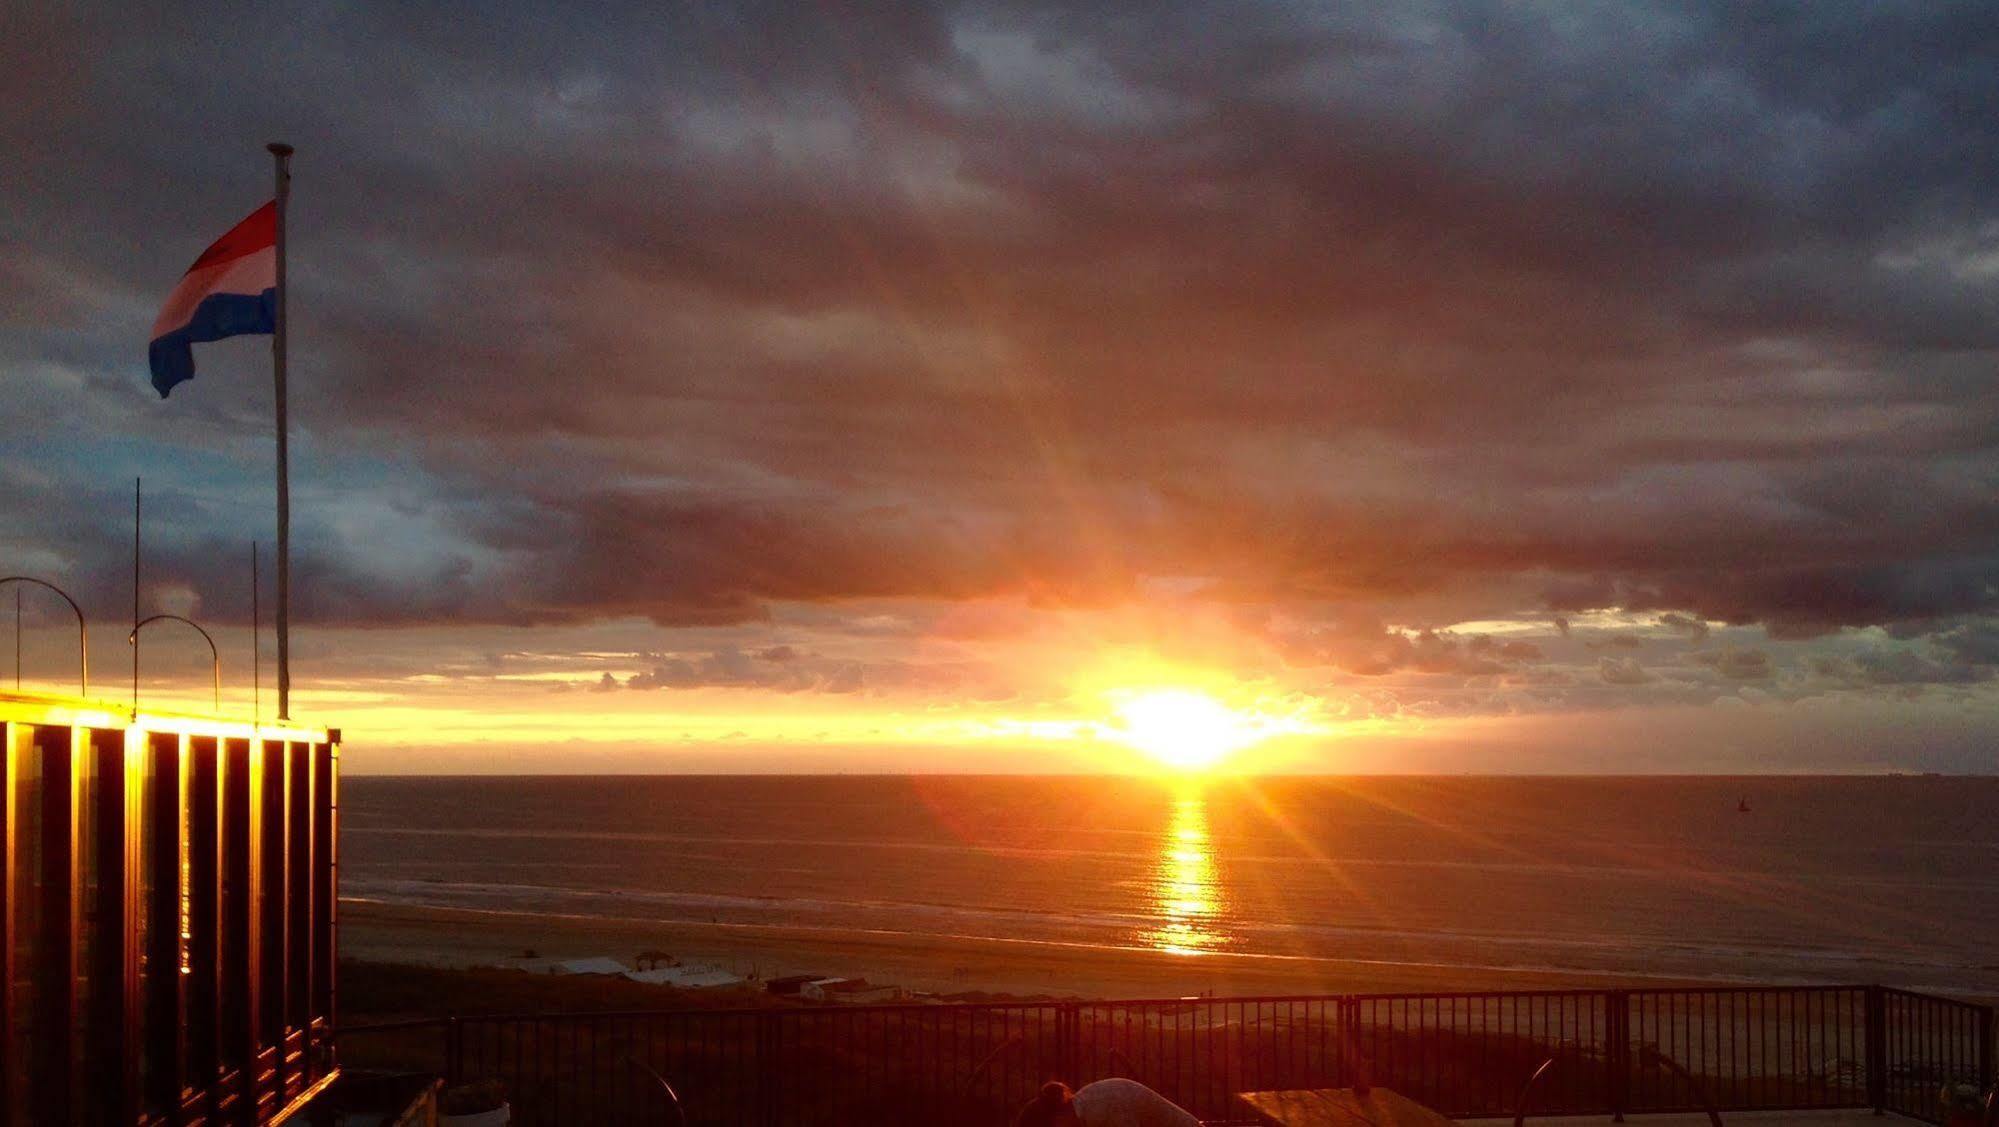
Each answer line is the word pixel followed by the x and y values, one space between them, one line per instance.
pixel 1367 648
pixel 1972 643
pixel 675 312
pixel 1898 667
pixel 735 669
pixel 1692 628
pixel 1737 665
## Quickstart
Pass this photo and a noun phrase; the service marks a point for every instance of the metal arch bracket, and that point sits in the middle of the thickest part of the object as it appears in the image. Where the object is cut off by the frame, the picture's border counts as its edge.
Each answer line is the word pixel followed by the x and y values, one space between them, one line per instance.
pixel 1527 1090
pixel 82 631
pixel 214 656
pixel 1693 1082
pixel 665 1086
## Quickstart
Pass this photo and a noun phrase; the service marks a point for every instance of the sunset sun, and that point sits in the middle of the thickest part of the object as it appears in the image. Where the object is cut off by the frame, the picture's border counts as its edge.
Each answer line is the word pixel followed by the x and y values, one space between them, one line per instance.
pixel 1185 729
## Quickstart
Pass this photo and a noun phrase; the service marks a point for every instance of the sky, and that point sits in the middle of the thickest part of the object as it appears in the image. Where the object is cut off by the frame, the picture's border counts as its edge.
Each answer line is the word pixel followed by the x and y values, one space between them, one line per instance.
pixel 877 387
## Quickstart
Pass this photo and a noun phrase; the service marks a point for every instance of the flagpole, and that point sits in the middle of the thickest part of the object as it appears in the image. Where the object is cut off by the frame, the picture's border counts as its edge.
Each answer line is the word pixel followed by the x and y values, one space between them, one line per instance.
pixel 138 489
pixel 281 153
pixel 256 645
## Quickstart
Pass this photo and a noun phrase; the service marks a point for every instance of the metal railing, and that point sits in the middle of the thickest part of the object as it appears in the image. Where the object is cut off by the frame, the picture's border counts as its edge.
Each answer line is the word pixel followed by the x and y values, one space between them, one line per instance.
pixel 1465 1054
pixel 1928 1042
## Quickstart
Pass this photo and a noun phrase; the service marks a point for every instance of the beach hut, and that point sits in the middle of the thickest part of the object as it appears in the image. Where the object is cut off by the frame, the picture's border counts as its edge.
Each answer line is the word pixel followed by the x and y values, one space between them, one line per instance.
pixel 688 977
pixel 707 978
pixel 595 965
pixel 791 984
pixel 850 991
pixel 819 989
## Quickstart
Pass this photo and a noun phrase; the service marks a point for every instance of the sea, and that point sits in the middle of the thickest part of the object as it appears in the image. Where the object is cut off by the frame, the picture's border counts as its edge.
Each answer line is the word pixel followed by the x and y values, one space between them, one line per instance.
pixel 1891 879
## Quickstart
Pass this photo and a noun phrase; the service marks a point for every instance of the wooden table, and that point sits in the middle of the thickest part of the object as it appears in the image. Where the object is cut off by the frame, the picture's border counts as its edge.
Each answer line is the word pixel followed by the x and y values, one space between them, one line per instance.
pixel 1341 1107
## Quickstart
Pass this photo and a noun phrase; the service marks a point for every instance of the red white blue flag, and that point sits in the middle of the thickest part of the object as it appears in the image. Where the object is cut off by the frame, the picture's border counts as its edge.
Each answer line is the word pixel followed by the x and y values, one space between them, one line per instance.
pixel 231 290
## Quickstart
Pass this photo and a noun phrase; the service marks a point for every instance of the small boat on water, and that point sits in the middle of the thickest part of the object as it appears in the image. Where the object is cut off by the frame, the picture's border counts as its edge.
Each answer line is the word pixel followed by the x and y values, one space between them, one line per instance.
pixel 1742 805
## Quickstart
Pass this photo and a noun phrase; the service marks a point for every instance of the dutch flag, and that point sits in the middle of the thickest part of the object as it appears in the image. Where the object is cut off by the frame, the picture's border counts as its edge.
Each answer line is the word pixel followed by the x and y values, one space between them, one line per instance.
pixel 231 290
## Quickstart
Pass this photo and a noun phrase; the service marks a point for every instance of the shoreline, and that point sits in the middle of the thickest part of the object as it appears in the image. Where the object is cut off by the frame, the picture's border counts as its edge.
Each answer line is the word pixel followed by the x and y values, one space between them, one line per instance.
pixel 372 931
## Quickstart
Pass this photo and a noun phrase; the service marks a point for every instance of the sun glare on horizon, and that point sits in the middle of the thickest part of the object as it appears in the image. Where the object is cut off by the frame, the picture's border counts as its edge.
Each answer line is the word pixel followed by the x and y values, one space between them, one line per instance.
pixel 1185 729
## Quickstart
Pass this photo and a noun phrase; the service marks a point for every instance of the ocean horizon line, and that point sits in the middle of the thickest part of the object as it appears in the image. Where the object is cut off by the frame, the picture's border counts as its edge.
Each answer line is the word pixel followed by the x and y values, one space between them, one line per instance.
pixel 1166 778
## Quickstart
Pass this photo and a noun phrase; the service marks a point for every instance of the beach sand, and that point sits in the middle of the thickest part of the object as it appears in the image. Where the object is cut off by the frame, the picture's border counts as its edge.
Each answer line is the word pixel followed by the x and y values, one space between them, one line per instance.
pixel 942 964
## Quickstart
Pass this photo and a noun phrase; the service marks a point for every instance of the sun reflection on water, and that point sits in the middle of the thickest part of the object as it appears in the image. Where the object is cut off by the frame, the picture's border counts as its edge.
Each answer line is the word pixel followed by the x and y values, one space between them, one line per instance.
pixel 1187 894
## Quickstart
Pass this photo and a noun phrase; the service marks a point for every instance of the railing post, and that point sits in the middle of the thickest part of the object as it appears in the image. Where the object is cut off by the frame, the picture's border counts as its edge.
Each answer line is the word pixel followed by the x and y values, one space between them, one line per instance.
pixel 1068 1053
pixel 454 1051
pixel 1617 1050
pixel 1986 1047
pixel 1877 1050
pixel 766 1109
pixel 1349 1042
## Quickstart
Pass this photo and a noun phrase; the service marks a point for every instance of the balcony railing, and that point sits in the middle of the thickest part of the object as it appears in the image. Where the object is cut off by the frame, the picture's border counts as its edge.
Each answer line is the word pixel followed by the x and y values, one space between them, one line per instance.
pixel 1615 1052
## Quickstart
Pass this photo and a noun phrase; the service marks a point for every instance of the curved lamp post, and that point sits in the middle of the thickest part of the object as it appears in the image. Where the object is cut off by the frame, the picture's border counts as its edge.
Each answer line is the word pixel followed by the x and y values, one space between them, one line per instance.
pixel 82 632
pixel 214 658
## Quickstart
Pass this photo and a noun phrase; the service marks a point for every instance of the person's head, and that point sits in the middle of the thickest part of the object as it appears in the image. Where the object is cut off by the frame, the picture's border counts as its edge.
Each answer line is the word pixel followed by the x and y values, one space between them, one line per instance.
pixel 1054 1105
